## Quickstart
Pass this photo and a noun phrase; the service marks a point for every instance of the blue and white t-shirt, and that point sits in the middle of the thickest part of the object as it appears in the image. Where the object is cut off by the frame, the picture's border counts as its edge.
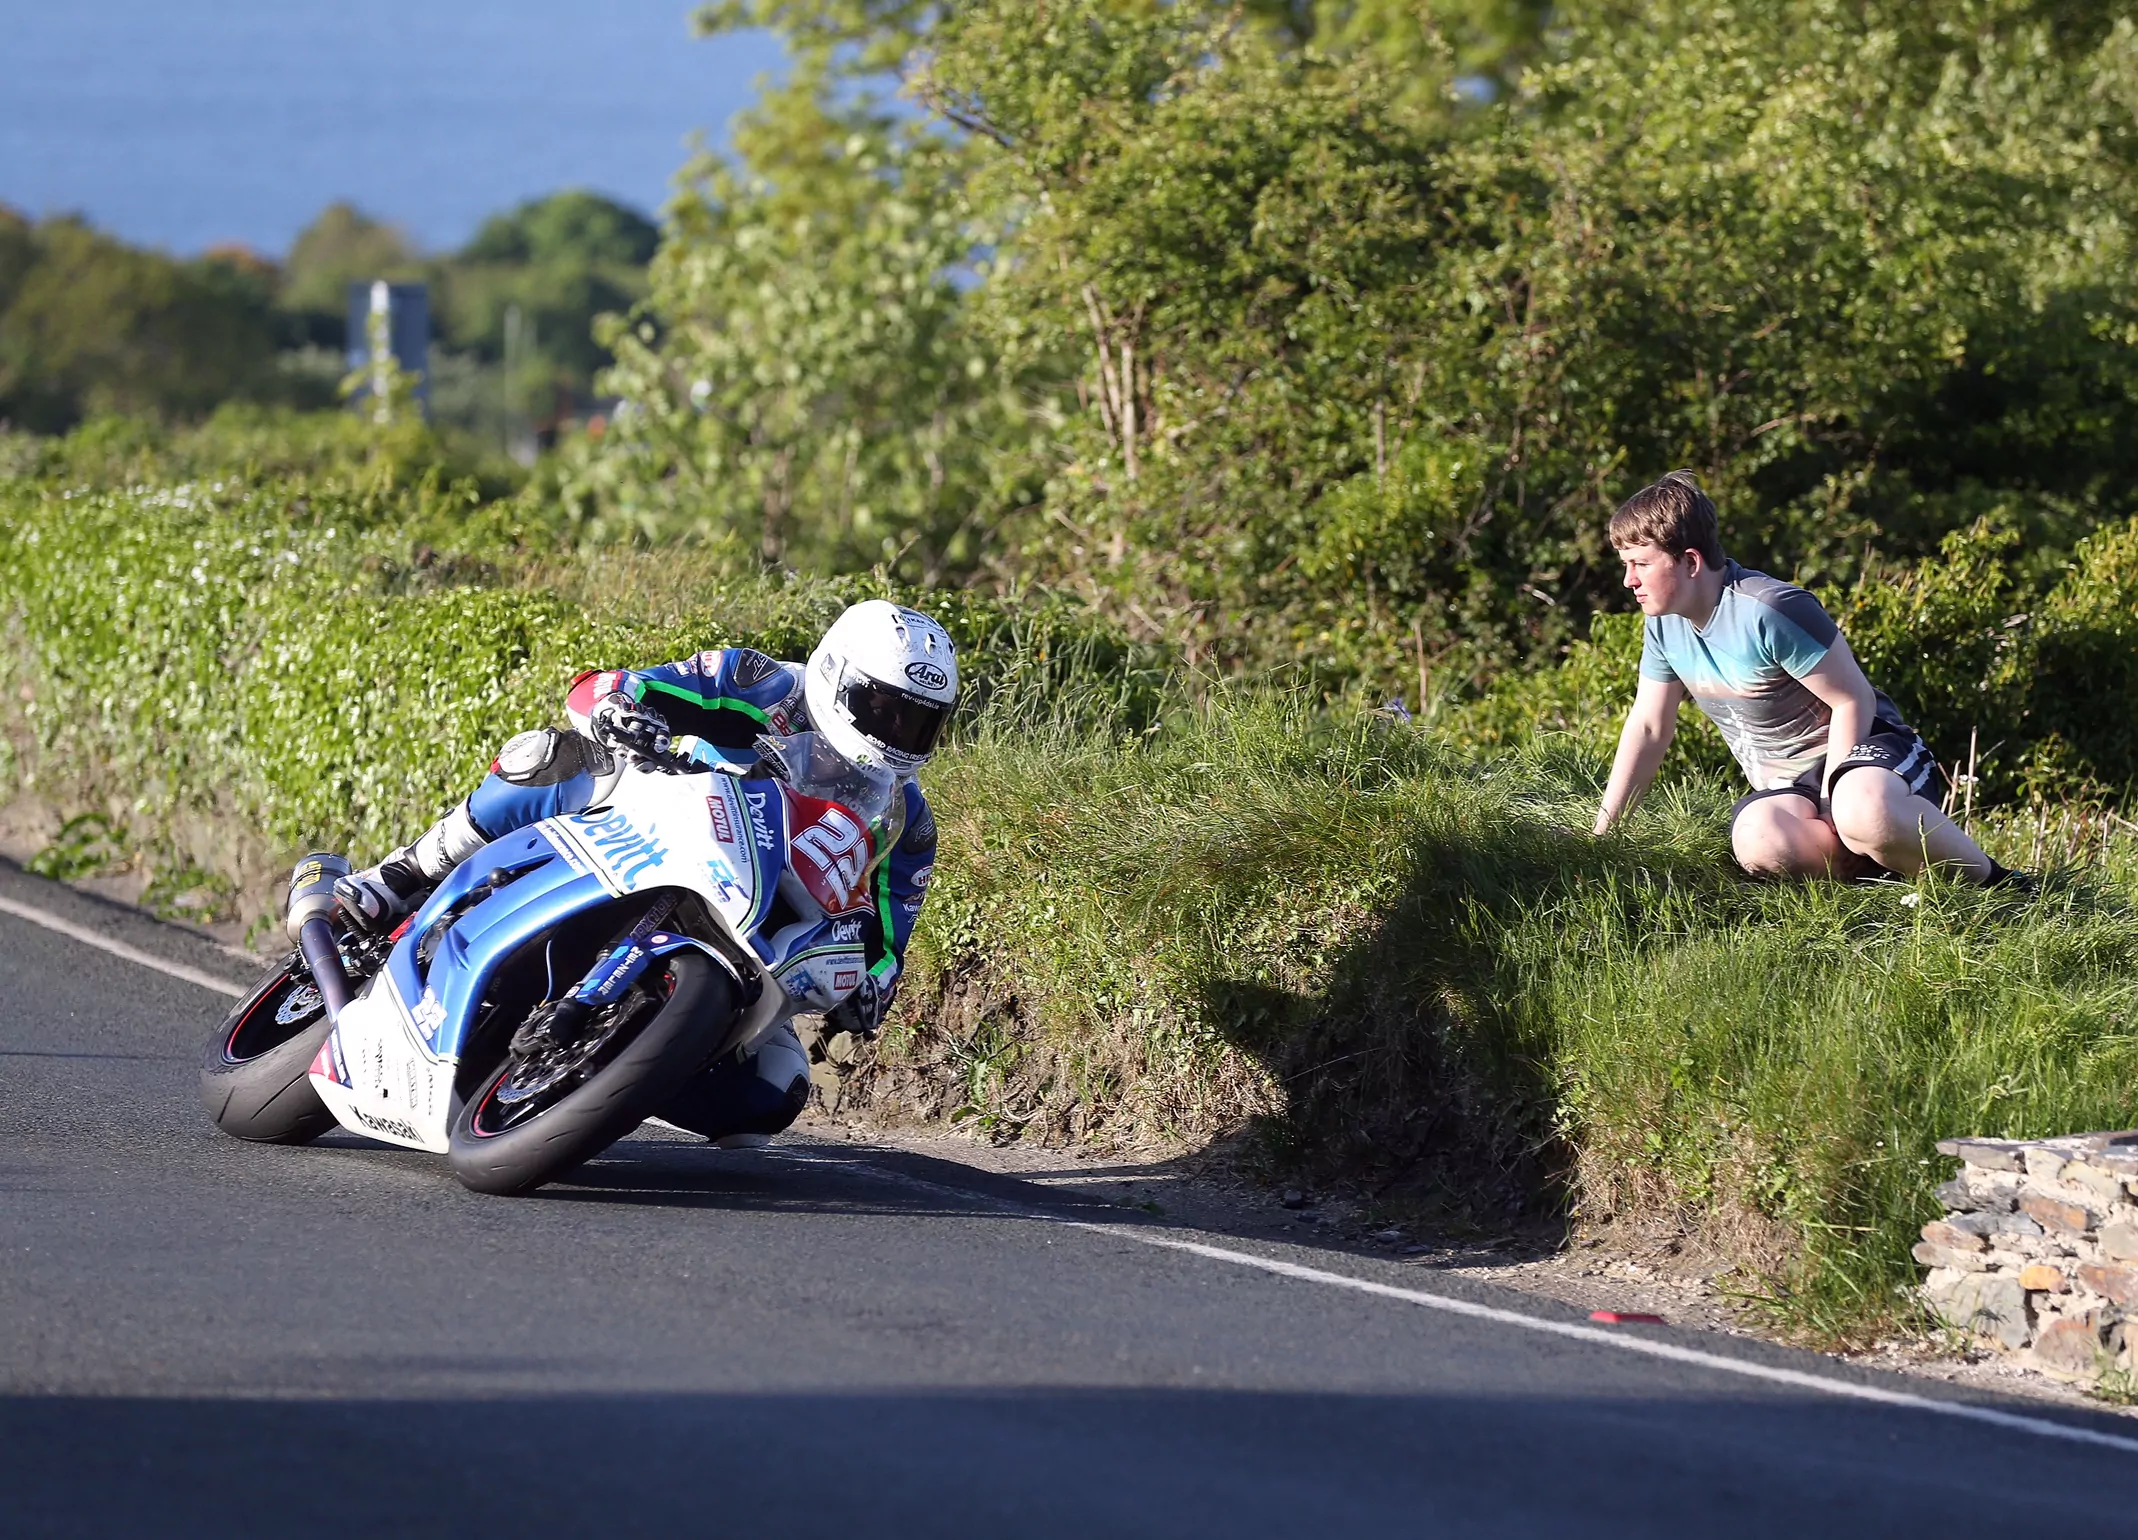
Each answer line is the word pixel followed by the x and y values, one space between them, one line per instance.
pixel 1745 668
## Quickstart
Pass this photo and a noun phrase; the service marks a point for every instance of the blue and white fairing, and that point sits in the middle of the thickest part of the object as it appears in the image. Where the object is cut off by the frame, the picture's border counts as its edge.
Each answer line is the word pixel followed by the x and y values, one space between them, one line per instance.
pixel 388 1067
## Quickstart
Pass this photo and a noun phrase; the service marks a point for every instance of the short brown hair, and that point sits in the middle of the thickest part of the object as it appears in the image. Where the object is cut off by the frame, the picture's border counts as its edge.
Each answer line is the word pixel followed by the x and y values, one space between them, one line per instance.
pixel 1673 515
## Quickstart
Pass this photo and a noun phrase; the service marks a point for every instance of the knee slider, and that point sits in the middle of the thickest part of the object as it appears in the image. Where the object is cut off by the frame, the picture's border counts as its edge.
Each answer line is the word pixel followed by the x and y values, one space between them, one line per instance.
pixel 544 756
pixel 525 756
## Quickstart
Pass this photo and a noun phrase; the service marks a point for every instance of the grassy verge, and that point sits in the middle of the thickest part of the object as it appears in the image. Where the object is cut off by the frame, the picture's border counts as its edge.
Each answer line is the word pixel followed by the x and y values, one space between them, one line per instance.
pixel 1390 953
pixel 1406 965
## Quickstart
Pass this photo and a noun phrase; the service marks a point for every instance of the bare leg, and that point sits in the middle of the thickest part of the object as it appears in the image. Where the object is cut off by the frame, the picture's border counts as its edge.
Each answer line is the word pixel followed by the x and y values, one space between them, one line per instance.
pixel 1786 837
pixel 1877 816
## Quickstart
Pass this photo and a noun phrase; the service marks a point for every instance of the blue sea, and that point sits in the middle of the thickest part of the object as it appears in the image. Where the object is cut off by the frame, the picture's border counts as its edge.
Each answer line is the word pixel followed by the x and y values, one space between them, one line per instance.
pixel 187 123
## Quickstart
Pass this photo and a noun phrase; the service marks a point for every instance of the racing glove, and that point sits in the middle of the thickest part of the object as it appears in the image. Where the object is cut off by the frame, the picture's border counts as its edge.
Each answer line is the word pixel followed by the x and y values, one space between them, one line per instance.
pixel 861 1012
pixel 619 722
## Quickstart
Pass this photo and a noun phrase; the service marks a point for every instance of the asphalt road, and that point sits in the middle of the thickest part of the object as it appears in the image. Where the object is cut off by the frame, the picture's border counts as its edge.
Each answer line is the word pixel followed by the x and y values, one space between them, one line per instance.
pixel 203 1337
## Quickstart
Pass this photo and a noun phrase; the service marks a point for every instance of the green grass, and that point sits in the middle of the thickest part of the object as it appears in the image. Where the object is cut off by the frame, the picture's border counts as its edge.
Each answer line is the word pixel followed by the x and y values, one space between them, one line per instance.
pixel 1410 966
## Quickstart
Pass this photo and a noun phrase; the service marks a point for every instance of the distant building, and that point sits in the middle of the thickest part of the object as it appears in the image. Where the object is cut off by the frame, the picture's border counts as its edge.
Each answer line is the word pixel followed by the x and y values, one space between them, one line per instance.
pixel 407 309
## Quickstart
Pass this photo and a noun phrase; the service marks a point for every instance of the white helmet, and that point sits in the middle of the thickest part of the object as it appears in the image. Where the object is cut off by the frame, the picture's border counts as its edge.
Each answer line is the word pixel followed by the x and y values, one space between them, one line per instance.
pixel 881 684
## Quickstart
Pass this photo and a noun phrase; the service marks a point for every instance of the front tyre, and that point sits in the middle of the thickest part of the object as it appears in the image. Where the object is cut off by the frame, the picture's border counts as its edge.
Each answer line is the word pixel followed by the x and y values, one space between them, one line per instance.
pixel 253 1078
pixel 529 1122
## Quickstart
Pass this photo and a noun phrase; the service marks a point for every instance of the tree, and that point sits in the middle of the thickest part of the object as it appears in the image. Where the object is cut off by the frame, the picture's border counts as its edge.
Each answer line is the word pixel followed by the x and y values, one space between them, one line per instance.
pixel 88 324
pixel 562 261
pixel 800 378
pixel 1321 349
pixel 343 246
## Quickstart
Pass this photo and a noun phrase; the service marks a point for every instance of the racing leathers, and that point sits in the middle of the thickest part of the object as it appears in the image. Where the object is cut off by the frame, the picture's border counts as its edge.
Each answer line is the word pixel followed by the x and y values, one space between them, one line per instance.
pixel 726 699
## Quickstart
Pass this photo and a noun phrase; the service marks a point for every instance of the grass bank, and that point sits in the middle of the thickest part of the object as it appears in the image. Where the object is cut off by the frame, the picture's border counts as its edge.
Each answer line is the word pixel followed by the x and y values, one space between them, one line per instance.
pixel 1409 966
pixel 1391 955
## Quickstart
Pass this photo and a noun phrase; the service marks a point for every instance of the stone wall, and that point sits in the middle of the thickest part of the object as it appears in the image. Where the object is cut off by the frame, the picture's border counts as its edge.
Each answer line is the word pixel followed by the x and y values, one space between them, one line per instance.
pixel 2038 1250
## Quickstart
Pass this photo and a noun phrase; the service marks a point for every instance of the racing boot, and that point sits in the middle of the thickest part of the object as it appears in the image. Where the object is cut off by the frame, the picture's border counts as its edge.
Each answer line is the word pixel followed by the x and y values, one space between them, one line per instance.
pixel 379 897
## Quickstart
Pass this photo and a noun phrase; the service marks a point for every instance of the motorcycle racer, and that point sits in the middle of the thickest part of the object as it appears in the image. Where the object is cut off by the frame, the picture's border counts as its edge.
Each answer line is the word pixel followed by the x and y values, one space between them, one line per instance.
pixel 878 688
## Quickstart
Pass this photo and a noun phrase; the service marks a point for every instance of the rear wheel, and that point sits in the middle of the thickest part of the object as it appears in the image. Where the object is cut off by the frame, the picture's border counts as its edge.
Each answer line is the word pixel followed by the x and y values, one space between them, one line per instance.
pixel 253 1078
pixel 539 1114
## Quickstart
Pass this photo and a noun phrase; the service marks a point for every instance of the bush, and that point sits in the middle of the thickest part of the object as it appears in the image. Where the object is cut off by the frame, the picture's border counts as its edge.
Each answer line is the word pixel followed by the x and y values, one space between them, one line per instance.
pixel 1391 951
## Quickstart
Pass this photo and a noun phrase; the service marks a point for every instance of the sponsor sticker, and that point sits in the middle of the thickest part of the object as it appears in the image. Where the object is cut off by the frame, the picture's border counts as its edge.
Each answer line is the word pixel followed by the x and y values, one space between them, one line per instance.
pixel 429 1015
pixel 761 821
pixel 846 979
pixel 393 1126
pixel 845 932
pixel 723 826
pixel 927 676
pixel 921 878
pixel 628 851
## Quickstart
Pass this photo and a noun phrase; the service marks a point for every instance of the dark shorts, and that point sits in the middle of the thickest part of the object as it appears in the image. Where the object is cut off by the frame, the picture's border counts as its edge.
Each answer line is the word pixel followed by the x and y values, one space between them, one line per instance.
pixel 1890 747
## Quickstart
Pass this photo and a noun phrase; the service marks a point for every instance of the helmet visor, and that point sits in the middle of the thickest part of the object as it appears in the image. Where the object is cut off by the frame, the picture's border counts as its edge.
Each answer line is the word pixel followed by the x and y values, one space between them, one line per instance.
pixel 905 723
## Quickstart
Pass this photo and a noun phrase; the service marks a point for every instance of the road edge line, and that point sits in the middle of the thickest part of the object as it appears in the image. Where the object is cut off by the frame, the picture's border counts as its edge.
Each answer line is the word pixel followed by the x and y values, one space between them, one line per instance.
pixel 1968 1411
pixel 2013 1421
pixel 116 948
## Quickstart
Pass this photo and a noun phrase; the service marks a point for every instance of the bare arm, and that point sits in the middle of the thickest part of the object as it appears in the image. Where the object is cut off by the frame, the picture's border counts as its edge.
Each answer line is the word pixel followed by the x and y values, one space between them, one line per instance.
pixel 1642 742
pixel 1839 681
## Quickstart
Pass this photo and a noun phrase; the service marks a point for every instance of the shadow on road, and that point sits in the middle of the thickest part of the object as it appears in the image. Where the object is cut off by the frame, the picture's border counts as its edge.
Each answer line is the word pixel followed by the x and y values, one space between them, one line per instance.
pixel 1037 1461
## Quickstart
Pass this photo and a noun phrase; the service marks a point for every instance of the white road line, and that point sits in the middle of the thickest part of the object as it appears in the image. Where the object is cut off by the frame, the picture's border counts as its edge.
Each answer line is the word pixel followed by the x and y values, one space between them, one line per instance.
pixel 104 943
pixel 2015 1422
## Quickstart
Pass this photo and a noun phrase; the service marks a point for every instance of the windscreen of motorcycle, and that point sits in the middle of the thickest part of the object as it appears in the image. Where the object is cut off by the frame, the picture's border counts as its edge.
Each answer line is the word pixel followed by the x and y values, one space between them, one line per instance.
pixel 842 817
pixel 808 765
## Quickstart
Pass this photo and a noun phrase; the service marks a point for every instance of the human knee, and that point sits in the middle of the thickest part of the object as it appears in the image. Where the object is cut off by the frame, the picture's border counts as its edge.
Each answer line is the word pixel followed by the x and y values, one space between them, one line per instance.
pixel 544 756
pixel 536 775
pixel 1769 839
pixel 762 1093
pixel 1869 808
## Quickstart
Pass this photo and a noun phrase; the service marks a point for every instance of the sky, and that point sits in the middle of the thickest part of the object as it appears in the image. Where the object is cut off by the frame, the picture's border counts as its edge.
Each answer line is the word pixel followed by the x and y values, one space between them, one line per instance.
pixel 188 123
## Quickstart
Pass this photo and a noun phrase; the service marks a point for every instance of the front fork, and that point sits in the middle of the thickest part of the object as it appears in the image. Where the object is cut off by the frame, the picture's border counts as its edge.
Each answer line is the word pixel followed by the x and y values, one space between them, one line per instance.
pixel 560 1024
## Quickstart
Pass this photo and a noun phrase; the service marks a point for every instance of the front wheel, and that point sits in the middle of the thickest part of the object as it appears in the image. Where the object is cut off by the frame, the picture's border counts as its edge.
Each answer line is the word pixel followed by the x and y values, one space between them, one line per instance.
pixel 254 1078
pixel 536 1116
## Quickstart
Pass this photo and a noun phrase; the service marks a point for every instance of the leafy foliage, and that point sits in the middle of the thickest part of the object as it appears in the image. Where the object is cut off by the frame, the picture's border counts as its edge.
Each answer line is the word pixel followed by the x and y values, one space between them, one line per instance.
pixel 802 382
pixel 1318 355
pixel 88 324
pixel 1391 951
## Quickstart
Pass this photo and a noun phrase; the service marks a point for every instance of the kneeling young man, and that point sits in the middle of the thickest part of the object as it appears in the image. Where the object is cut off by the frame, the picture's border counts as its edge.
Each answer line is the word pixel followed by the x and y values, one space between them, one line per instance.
pixel 1841 785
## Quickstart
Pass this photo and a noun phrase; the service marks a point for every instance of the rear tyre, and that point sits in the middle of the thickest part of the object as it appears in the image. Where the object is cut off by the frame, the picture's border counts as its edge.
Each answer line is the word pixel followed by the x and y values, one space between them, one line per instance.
pixel 509 1139
pixel 253 1078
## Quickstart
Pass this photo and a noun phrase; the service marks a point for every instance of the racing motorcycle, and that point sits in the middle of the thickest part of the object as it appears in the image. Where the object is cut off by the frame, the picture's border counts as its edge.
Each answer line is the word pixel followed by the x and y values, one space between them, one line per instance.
pixel 566 980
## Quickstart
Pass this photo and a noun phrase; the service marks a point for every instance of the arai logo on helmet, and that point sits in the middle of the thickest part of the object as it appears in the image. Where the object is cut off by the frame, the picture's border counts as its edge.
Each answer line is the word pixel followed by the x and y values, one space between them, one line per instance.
pixel 927 676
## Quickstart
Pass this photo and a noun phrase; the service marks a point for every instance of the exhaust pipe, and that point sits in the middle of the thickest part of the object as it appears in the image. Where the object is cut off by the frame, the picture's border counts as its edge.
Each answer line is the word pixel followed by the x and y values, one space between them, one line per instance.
pixel 311 908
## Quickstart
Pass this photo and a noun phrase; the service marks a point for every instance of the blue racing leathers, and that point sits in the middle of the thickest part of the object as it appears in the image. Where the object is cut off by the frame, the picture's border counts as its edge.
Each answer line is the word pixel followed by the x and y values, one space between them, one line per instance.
pixel 726 698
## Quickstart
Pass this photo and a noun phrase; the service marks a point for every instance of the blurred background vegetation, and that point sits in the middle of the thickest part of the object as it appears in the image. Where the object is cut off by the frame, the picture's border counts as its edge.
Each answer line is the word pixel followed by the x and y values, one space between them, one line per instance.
pixel 90 326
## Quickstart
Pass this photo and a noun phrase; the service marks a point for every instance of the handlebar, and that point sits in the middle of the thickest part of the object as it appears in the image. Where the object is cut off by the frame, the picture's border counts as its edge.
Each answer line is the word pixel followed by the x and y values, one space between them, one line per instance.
pixel 639 747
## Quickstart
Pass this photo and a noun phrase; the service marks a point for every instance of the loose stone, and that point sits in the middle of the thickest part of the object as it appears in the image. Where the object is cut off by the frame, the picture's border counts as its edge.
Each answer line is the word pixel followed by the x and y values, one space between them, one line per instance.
pixel 2055 1214
pixel 2119 1285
